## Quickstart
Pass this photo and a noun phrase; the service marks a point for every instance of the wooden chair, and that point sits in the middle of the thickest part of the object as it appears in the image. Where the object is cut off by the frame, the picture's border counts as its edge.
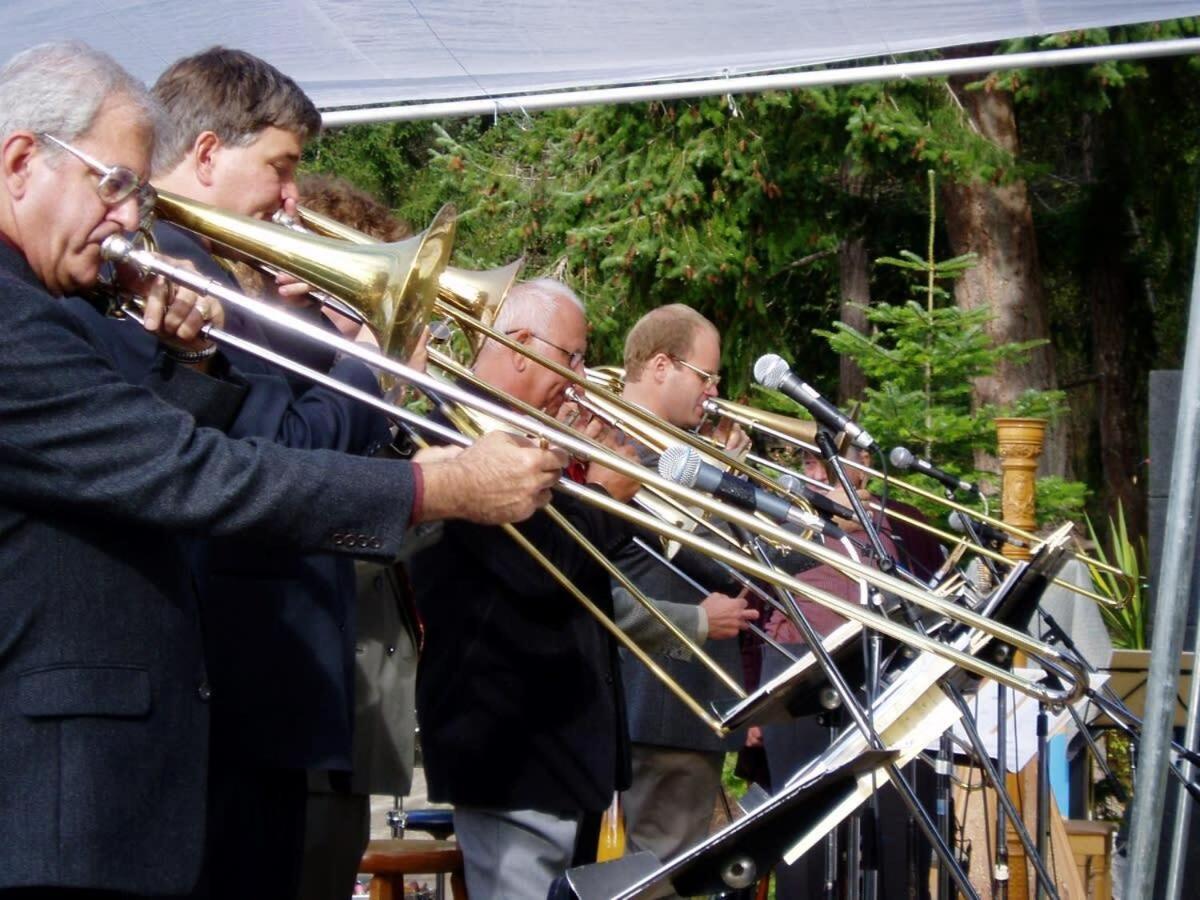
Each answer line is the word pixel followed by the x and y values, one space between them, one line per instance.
pixel 388 861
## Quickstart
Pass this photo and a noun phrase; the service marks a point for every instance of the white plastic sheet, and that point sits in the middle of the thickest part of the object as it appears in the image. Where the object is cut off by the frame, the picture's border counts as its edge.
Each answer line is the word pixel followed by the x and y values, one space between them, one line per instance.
pixel 352 53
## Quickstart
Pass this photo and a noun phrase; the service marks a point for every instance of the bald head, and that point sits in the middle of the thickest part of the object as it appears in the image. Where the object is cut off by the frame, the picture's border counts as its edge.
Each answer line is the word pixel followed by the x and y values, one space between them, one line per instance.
pixel 546 317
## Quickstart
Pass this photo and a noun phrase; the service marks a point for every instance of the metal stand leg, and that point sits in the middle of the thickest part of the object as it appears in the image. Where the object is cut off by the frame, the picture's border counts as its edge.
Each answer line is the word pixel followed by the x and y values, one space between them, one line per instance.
pixel 1000 872
pixel 1032 853
pixel 944 762
pixel 854 709
pixel 1044 884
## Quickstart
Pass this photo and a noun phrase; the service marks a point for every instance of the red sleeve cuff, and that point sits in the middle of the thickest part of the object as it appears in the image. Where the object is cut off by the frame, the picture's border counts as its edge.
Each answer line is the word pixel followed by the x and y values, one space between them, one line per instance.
pixel 418 494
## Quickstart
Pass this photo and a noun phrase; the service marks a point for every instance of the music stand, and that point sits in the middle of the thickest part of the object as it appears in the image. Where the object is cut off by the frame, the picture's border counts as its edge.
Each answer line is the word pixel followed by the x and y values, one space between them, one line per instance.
pixel 1128 671
pixel 791 693
pixel 736 855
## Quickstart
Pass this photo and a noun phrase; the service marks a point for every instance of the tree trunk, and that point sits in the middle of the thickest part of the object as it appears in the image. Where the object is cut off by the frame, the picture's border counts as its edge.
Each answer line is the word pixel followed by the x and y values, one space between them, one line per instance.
pixel 856 295
pixel 855 283
pixel 1113 294
pixel 996 223
pixel 1121 314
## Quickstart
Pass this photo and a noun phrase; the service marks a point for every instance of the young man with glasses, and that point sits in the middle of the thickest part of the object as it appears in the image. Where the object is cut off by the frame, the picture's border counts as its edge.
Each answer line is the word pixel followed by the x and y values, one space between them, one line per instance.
pixel 672 356
pixel 104 488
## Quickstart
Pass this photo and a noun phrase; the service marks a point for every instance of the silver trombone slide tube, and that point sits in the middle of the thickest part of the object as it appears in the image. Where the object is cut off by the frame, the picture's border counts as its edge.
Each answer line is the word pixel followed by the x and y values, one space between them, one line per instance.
pixel 121 249
pixel 704 592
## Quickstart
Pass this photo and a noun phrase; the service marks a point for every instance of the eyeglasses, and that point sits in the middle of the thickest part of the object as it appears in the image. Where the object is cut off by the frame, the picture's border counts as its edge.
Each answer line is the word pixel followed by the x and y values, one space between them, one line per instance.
pixel 117 183
pixel 574 357
pixel 709 379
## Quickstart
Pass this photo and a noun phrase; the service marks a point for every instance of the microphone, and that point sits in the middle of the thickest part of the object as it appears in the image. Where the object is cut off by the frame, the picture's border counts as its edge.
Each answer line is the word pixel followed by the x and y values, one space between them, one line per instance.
pixel 815 498
pixel 987 532
pixel 772 371
pixel 902 459
pixel 684 466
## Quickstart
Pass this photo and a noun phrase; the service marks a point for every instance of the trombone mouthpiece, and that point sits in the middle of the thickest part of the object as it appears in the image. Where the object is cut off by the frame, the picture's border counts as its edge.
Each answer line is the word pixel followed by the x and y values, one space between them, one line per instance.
pixel 770 370
pixel 116 247
pixel 680 464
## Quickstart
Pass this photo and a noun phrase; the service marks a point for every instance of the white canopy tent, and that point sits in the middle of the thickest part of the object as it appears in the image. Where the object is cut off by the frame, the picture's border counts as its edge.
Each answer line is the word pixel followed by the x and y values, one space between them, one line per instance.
pixel 410 58
pixel 350 54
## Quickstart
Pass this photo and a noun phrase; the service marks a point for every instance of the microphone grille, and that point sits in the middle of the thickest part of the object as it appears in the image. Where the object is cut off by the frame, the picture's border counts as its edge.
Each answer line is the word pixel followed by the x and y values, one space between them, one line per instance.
pixel 956 523
pixel 770 369
pixel 900 457
pixel 679 464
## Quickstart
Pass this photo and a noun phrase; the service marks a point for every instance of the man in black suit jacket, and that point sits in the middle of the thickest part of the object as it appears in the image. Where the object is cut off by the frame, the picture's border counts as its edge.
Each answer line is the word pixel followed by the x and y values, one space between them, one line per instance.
pixel 104 694
pixel 518 688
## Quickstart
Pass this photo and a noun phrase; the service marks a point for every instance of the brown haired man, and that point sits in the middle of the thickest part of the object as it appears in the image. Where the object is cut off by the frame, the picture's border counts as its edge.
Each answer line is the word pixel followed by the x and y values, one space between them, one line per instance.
pixel 672 356
pixel 281 626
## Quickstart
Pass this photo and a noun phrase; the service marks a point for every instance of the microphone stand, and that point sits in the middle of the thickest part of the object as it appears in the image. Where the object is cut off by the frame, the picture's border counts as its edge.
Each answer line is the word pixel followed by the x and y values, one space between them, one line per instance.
pixel 829 452
pixel 829 889
pixel 863 722
pixel 972 532
pixel 1043 791
pixel 1000 871
pixel 865 852
pixel 944 763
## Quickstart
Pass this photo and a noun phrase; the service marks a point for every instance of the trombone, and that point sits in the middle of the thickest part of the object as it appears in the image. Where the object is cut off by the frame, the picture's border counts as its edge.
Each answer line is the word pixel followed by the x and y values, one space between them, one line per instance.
pixel 545 426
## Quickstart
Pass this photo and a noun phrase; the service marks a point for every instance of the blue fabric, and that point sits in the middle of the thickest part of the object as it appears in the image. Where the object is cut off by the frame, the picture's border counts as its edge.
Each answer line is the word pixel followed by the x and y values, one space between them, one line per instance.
pixel 279 626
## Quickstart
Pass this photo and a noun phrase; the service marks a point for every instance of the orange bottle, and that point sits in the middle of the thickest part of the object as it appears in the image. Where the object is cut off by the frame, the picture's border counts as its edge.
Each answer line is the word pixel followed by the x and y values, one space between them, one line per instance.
pixel 612 832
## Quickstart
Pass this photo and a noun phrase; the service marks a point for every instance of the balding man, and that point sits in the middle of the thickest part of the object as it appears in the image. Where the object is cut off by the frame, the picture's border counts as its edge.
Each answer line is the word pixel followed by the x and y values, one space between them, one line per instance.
pixel 519 693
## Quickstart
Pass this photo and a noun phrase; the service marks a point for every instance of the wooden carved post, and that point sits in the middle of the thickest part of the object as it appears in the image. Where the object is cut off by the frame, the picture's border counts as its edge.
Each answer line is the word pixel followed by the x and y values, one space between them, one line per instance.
pixel 1020 444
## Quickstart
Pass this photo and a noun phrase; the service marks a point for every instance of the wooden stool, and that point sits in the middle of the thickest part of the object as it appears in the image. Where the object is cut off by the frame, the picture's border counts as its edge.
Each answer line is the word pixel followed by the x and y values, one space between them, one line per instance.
pixel 388 861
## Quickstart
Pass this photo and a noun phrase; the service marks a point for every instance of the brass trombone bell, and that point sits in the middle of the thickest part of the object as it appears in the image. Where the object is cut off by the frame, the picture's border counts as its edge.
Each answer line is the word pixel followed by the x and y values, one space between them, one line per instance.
pixel 394 286
pixel 478 293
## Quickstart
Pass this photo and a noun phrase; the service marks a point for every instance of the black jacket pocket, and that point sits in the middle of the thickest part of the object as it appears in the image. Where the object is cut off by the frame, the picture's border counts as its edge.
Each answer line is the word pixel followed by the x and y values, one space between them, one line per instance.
pixel 85 690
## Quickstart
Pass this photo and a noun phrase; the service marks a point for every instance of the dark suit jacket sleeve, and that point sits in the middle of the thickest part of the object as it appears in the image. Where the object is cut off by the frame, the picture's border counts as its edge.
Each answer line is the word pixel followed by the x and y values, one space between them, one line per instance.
pixel 498 554
pixel 78 438
pixel 212 400
pixel 319 418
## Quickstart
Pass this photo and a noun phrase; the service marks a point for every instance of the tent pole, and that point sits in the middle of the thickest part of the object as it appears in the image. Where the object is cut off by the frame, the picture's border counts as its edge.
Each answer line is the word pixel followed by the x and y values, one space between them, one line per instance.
pixel 1170 618
pixel 748 84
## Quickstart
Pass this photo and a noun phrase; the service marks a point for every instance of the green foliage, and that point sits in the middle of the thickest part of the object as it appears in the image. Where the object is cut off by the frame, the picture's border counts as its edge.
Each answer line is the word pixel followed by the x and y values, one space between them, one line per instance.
pixel 920 359
pixel 736 216
pixel 1127 623
pixel 742 217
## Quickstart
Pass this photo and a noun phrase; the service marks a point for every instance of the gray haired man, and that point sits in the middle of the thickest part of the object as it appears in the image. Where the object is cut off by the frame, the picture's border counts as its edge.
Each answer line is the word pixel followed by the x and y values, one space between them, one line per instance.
pixel 103 488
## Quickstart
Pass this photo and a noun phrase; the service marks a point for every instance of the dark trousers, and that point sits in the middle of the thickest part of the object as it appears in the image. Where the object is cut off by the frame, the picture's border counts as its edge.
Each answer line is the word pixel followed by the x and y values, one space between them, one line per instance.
pixel 336 832
pixel 255 836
